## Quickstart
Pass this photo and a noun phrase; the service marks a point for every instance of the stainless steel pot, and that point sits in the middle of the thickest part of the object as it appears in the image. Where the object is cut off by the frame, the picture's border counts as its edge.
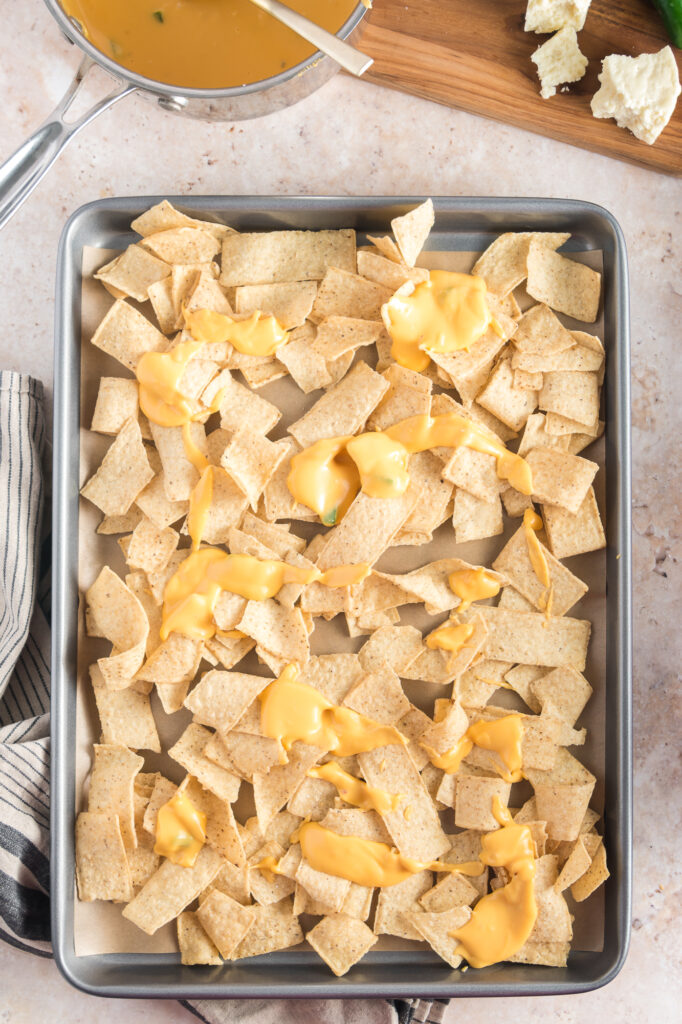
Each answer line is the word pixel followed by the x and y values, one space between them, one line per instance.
pixel 22 171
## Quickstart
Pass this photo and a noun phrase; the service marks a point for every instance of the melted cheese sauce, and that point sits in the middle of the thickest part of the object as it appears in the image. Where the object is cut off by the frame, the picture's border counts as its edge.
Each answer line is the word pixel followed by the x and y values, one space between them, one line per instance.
pixel 259 335
pixel 291 711
pixel 203 44
pixel 446 313
pixel 327 476
pixel 502 921
pixel 192 592
pixel 364 861
pixel 354 791
pixel 180 830
pixel 471 585
pixel 450 638
pixel 501 736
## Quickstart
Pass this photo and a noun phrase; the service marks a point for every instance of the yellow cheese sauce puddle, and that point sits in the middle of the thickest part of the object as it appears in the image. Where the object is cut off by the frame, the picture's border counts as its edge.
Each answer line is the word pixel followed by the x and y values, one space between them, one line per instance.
pixel 502 921
pixel 471 585
pixel 327 476
pixel 180 830
pixel 501 736
pixel 192 592
pixel 292 711
pixel 446 313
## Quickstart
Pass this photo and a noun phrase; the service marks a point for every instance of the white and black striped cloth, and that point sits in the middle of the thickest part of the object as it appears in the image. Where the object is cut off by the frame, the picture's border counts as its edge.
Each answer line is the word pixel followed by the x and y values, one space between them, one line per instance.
pixel 25 559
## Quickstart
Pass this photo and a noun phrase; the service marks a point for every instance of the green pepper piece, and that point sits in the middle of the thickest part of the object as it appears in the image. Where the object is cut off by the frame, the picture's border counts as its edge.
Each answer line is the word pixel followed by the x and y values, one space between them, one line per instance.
pixel 159 16
pixel 671 13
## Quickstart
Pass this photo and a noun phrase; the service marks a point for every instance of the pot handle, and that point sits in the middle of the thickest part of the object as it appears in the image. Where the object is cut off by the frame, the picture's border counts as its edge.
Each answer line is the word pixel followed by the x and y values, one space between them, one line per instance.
pixel 22 171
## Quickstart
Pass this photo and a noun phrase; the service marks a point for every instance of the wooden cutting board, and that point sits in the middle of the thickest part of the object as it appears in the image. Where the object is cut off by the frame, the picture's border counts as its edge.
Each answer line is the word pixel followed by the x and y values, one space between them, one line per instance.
pixel 474 55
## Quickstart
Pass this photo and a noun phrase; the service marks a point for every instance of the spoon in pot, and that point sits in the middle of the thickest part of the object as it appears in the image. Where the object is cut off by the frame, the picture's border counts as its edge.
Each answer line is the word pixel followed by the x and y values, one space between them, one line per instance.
pixel 347 56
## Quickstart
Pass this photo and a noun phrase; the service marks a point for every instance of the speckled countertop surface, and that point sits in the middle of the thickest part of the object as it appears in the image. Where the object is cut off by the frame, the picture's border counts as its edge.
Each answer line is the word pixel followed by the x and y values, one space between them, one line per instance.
pixel 348 138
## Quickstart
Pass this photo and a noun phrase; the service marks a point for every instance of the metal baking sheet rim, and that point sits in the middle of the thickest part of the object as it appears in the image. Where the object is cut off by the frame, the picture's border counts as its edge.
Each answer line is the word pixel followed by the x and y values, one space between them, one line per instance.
pixel 386 974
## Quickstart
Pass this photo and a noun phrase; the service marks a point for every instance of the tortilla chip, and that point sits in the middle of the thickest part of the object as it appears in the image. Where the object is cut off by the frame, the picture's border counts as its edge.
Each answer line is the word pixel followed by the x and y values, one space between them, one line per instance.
pixel 122 620
pixel 150 548
pixel 379 696
pixel 596 875
pixel 274 927
pixel 436 929
pixel 510 404
pixel 182 245
pixel 153 502
pixel 343 293
pixel 563 284
pixel 339 335
pixel 189 752
pixel 329 890
pixel 559 478
pixel 221 828
pixel 161 298
pixel 548 954
pixel 125 716
pixel 391 768
pixel 116 402
pixel 273 789
pixel 473 800
pixel 572 395
pixel 343 409
pixel 163 216
pixel 133 272
pixel 270 257
pixel 163 791
pixel 540 333
pixel 503 265
pixel 387 272
pixel 562 795
pixel 174 661
pixel 334 675
pixel 522 638
pixel 475 472
pixel 289 302
pixel 102 871
pixel 515 563
pixel 474 519
pixel 277 629
pixel 221 698
pixel 123 473
pixel 412 229
pixel 453 890
pixel 574 534
pixel 396 901
pixel 170 890
pixel 111 786
pixel 307 365
pixel 195 945
pixel 367 529
pixel 251 459
pixel 126 335
pixel 562 693
pixel 341 941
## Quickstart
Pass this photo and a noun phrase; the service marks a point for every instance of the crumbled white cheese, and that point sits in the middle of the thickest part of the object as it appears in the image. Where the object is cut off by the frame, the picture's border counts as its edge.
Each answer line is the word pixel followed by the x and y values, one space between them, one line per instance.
pixel 559 60
pixel 640 92
pixel 551 15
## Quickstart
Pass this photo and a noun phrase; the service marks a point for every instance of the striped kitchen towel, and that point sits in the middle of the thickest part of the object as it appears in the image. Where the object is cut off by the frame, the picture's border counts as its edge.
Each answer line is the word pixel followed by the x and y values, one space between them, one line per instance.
pixel 25 729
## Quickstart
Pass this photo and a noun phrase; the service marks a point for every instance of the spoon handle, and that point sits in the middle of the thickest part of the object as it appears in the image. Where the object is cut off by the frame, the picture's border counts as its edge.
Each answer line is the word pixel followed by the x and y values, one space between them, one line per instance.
pixel 347 56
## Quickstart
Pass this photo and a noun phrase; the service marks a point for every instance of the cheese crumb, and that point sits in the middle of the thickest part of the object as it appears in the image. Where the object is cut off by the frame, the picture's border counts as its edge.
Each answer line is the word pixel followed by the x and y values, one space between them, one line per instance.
pixel 551 15
pixel 559 60
pixel 639 92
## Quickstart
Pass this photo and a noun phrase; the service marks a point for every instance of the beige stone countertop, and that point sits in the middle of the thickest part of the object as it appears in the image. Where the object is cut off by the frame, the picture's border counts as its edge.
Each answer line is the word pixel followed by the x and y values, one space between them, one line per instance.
pixel 355 138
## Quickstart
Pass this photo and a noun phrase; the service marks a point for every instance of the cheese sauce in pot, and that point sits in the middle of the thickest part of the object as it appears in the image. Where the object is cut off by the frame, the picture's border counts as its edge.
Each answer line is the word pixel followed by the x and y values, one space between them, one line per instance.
pixel 201 44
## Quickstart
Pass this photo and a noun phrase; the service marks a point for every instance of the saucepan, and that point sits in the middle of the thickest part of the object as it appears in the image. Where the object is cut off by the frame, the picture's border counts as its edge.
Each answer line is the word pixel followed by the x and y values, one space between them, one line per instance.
pixel 22 171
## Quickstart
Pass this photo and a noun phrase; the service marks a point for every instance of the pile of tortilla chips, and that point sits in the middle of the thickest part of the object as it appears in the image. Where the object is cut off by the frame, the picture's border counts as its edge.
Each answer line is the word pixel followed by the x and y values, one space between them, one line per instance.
pixel 536 385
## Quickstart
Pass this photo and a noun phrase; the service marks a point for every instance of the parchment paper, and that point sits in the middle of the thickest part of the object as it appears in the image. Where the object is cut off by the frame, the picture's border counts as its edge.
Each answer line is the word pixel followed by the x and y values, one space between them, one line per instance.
pixel 99 926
